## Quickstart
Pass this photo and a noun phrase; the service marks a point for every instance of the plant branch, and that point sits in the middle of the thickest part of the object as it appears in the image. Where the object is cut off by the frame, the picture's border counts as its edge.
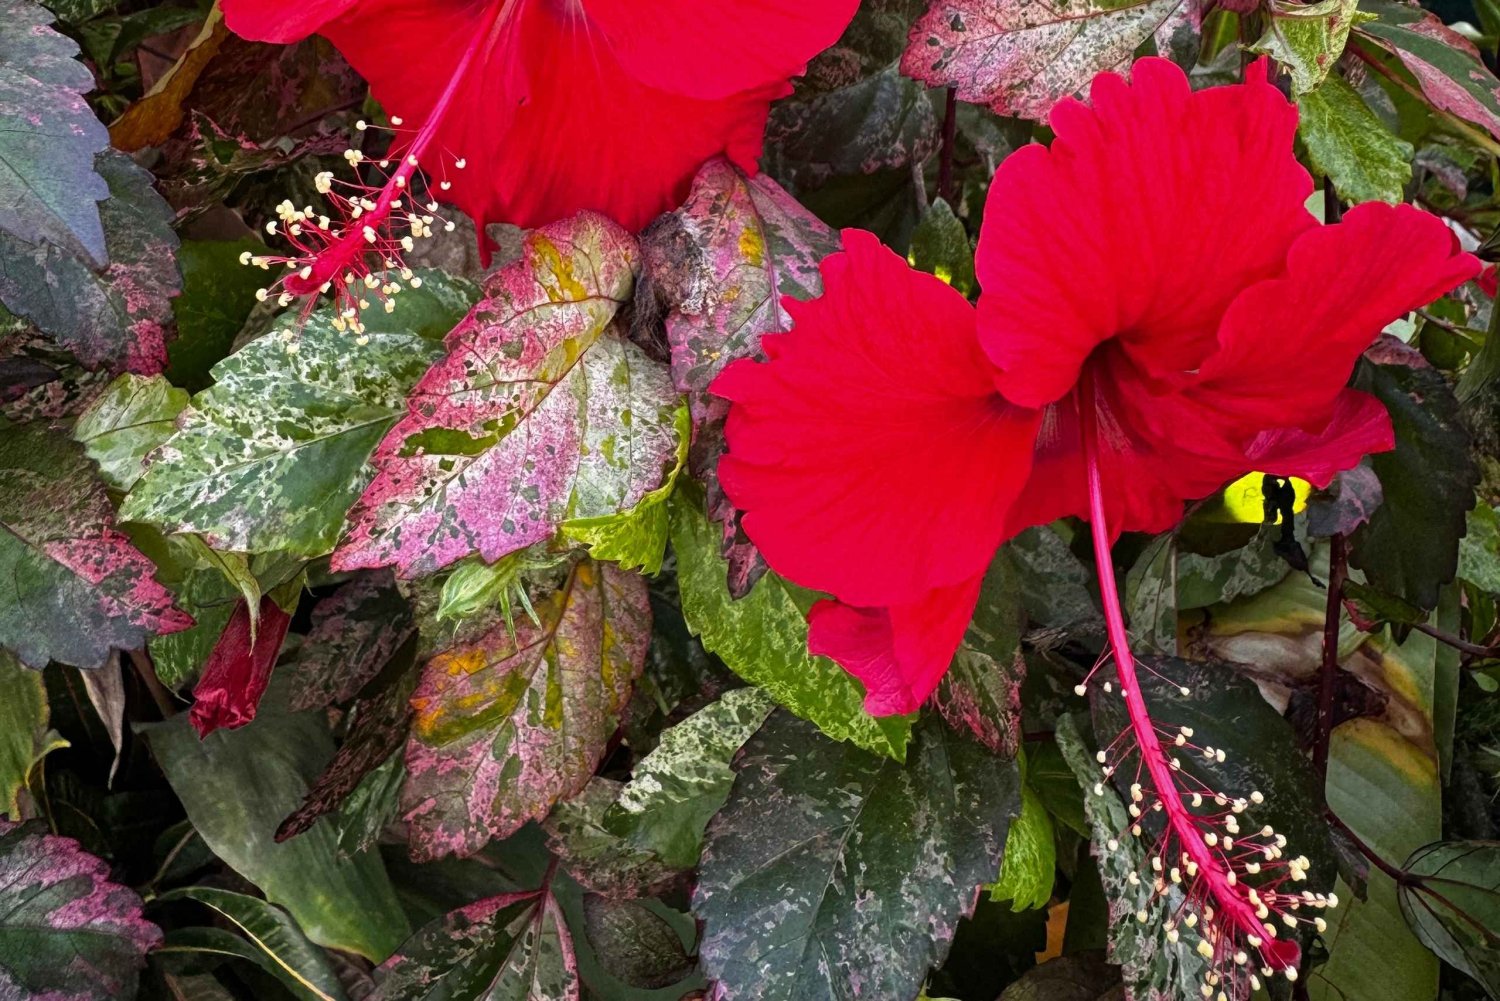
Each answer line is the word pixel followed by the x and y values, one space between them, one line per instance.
pixel 1401 876
pixel 945 154
pixel 1338 572
pixel 1473 649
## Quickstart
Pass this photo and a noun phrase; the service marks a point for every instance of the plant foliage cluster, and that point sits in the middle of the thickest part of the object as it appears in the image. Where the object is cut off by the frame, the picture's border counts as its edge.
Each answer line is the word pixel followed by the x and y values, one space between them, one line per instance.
pixel 432 663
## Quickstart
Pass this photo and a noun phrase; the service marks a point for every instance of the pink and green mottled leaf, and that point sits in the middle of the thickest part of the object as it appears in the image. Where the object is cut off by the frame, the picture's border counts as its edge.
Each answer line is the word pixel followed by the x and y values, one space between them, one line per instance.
pixel 509 724
pixel 981 694
pixel 1020 57
pixel 116 315
pixel 72 587
pixel 514 946
pixel 271 456
pixel 539 414
pixel 48 137
pixel 1445 64
pixel 832 873
pixel 720 266
pixel 354 632
pixel 67 933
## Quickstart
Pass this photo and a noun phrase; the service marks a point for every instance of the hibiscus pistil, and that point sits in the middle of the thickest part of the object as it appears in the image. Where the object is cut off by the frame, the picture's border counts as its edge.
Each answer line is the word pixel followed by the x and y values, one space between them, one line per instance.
pixel 1231 873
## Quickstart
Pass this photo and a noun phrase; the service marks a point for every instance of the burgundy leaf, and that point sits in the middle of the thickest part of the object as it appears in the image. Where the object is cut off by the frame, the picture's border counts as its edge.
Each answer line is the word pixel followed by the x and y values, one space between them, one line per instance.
pixel 354 632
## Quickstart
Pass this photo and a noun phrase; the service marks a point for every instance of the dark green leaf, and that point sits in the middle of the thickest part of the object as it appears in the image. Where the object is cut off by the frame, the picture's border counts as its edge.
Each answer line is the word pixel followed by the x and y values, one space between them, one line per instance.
pixel 48 137
pixel 237 785
pixel 1410 545
pixel 276 943
pixel 815 830
pixel 981 693
pixel 1454 905
pixel 635 943
pixel 940 246
pixel 218 293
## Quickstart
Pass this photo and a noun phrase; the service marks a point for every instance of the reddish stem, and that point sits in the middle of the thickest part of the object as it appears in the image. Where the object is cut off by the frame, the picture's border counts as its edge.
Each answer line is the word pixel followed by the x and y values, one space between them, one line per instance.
pixel 1229 898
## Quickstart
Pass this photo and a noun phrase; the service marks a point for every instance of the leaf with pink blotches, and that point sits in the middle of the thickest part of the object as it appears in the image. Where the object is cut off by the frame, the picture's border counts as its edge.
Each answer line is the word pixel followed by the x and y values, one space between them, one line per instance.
pixel 1020 57
pixel 510 723
pixel 719 266
pixel 355 630
pixel 67 933
pixel 115 316
pixel 539 414
pixel 72 587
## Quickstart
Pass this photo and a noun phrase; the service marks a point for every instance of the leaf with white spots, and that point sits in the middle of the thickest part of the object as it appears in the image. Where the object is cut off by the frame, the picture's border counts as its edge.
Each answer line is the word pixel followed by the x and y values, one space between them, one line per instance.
pixel 133 415
pixel 539 414
pixel 832 873
pixel 67 933
pixel 72 587
pixel 271 456
pixel 1020 57
pixel 508 724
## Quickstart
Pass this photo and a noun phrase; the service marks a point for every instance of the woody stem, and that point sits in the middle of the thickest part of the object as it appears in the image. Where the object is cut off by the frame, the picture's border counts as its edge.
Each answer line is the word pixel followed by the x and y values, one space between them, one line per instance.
pixel 1182 823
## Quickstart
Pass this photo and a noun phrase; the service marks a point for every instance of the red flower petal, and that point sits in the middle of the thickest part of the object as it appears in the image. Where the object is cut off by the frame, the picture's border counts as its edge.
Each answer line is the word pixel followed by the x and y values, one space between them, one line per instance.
pixel 681 47
pixel 262 21
pixel 1287 345
pixel 901 652
pixel 1133 225
pixel 547 117
pixel 871 454
pixel 1360 426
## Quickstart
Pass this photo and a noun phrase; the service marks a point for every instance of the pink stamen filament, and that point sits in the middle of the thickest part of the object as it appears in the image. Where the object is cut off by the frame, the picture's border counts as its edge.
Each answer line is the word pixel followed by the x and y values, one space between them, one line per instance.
pixel 1231 900
pixel 344 256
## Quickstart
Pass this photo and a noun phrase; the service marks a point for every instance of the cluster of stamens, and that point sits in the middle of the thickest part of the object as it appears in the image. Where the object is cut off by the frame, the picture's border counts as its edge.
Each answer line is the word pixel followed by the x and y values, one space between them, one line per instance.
pixel 1238 886
pixel 352 248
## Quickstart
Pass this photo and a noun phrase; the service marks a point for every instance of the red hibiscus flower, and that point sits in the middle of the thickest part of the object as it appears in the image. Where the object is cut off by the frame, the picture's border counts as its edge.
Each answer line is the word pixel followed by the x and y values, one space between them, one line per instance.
pixel 526 111
pixel 1136 345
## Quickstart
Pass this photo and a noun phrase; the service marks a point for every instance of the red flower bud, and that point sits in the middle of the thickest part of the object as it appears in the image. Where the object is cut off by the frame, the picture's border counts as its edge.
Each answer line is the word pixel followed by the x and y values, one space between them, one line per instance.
pixel 238 670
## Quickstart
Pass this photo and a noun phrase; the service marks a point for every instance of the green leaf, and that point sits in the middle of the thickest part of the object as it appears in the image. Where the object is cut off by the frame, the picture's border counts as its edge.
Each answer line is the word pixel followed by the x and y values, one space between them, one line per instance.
pixel 131 417
pixel 1028 867
pixel 1081 976
pixel 113 316
pixel 674 790
pixel 66 932
pixel 637 945
pixel 1409 547
pixel 511 722
pixel 237 785
pixel 514 947
pixel 72 587
pixel 1308 39
pixel 1350 145
pixel 218 293
pixel 1454 905
pixel 636 539
pixel 271 456
pixel 1055 585
pixel 1479 551
pixel 24 737
pixel 283 950
pixel 762 637
pixel 816 832
pixel 940 246
pixel 597 857
pixel 48 137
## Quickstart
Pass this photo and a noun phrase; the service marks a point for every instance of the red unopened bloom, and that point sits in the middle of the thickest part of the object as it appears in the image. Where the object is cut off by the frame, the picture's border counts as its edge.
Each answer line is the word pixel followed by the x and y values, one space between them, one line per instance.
pixel 526 111
pixel 1160 315
pixel 238 669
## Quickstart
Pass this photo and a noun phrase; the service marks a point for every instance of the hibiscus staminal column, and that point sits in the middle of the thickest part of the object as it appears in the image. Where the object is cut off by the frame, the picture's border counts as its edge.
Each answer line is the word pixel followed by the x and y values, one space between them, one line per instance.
pixel 354 251
pixel 1233 876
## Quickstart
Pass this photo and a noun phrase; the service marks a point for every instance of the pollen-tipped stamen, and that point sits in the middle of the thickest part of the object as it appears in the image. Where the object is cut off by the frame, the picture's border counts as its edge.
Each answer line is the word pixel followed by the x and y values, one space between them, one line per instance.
pixel 1231 875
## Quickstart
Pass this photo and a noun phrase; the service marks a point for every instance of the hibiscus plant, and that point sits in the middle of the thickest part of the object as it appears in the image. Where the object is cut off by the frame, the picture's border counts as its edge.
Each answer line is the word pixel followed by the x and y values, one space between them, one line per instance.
pixel 647 500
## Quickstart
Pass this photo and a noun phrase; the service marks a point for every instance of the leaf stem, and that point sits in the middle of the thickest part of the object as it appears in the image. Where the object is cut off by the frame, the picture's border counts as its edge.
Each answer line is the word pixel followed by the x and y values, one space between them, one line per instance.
pixel 945 153
pixel 1473 649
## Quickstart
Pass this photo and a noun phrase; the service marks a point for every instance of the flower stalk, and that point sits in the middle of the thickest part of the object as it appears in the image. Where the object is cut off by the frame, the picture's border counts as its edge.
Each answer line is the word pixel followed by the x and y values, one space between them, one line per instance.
pixel 1232 874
